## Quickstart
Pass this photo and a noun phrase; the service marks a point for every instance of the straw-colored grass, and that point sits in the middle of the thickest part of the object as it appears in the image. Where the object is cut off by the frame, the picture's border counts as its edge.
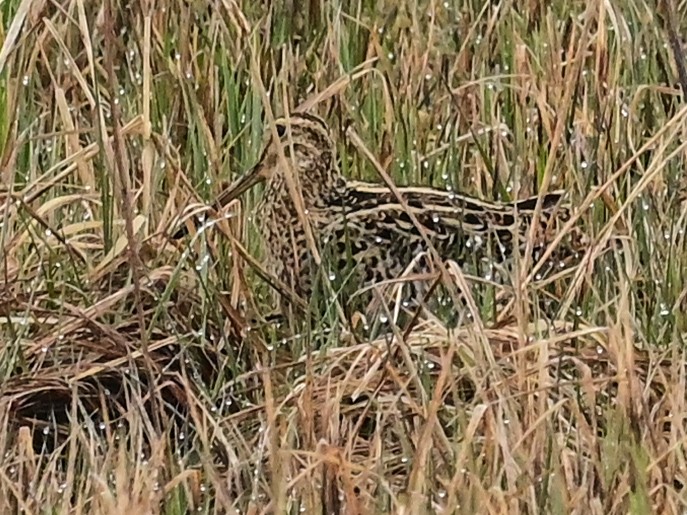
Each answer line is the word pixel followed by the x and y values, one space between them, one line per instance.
pixel 135 377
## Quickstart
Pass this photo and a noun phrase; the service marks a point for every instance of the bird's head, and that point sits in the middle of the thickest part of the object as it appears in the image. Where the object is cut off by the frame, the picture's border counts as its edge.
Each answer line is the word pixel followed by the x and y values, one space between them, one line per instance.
pixel 302 144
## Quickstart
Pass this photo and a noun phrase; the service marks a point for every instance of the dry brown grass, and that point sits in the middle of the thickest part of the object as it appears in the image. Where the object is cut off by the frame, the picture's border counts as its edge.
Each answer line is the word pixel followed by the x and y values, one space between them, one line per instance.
pixel 132 379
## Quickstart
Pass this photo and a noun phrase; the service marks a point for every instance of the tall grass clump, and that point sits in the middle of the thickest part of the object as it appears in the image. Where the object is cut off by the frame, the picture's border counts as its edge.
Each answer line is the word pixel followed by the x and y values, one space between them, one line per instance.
pixel 138 371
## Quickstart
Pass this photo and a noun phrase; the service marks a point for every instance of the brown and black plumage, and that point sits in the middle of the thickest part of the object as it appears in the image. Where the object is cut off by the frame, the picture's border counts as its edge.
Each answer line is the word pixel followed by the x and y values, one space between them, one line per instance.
pixel 362 227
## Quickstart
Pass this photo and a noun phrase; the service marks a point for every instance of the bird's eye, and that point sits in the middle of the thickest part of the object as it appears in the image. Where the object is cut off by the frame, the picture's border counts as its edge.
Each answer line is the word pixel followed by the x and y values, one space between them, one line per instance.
pixel 281 130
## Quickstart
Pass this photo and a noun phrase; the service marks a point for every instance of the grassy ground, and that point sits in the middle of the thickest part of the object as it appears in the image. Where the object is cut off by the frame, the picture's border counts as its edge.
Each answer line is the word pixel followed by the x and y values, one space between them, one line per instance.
pixel 131 381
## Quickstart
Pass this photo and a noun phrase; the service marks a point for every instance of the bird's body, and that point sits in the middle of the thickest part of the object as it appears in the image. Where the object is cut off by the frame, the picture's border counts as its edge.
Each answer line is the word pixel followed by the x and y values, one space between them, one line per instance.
pixel 362 228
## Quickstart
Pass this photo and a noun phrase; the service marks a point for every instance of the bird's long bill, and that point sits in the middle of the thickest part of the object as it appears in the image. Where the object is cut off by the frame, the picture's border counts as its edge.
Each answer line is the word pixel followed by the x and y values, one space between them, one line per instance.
pixel 240 186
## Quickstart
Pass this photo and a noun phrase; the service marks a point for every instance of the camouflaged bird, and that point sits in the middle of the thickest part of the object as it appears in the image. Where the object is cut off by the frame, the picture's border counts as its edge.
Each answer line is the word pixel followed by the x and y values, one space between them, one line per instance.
pixel 362 228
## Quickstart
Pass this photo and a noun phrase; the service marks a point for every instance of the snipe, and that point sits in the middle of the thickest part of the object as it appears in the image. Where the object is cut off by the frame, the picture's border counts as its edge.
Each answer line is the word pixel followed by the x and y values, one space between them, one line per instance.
pixel 361 228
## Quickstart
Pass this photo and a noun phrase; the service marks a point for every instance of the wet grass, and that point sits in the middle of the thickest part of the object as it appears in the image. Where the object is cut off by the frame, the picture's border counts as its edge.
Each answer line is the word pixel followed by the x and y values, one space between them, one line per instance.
pixel 134 376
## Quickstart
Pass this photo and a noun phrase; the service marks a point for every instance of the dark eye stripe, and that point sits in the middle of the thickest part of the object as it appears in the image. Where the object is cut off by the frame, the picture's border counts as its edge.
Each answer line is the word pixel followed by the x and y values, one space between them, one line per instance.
pixel 309 133
pixel 317 137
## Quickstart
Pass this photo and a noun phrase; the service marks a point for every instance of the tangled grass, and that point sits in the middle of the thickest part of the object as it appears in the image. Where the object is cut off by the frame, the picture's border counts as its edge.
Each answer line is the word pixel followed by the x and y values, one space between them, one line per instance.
pixel 134 375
